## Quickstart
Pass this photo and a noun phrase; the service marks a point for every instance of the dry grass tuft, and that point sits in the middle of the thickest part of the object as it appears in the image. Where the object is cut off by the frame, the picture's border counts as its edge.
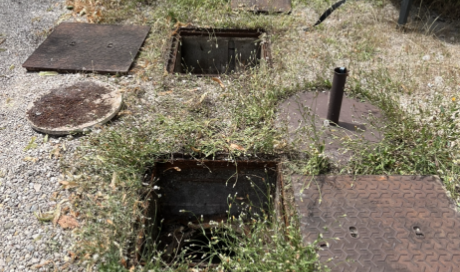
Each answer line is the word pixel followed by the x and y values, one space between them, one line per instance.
pixel 90 9
pixel 411 73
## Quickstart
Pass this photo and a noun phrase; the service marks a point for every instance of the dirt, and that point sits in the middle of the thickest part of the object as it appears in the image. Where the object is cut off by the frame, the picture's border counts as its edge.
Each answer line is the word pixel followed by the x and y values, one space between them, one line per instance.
pixel 74 105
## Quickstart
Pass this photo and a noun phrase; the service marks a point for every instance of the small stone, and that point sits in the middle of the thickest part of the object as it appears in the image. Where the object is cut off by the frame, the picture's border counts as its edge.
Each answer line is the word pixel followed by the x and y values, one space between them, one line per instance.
pixel 37 187
pixel 30 248
pixel 8 226
pixel 438 81
pixel 426 58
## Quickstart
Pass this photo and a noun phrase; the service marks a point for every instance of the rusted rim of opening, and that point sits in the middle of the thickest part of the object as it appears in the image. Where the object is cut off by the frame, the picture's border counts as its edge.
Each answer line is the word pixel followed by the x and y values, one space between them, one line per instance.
pixel 279 196
pixel 175 39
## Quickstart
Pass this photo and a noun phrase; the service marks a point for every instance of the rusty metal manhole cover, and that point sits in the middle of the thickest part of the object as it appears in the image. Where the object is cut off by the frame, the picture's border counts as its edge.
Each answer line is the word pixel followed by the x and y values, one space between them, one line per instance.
pixel 383 223
pixel 206 51
pixel 263 5
pixel 74 108
pixel 79 47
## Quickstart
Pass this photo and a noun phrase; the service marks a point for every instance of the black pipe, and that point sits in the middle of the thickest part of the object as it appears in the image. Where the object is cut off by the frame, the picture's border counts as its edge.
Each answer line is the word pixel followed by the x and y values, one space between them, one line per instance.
pixel 404 12
pixel 336 95
pixel 329 11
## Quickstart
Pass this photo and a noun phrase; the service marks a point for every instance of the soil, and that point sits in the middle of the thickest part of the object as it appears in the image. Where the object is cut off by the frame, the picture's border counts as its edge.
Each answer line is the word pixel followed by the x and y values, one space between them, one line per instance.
pixel 70 106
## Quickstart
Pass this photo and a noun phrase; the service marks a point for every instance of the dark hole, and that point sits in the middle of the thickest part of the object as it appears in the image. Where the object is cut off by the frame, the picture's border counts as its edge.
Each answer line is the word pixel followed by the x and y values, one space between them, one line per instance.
pixel 418 232
pixel 197 247
pixel 212 52
pixel 323 245
pixel 353 232
pixel 72 43
pixel 195 198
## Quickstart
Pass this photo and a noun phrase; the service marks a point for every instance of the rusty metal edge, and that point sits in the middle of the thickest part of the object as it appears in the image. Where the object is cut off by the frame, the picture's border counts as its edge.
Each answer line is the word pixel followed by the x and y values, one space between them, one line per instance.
pixel 280 192
pixel 171 51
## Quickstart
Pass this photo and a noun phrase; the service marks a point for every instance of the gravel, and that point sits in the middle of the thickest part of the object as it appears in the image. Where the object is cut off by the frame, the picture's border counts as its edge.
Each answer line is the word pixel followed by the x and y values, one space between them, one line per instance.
pixel 29 177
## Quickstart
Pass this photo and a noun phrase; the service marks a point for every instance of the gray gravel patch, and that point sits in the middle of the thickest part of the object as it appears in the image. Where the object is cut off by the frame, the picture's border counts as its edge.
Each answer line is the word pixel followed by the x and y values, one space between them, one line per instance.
pixel 29 173
pixel 29 177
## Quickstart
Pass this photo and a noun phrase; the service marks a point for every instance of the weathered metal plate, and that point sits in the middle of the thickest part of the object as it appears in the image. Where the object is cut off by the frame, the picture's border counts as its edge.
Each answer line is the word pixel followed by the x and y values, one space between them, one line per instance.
pixel 79 47
pixel 384 223
pixel 263 5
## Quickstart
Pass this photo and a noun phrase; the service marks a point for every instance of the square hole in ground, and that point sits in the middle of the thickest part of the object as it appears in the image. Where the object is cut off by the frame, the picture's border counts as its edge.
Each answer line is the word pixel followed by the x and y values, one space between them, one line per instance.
pixel 194 194
pixel 217 51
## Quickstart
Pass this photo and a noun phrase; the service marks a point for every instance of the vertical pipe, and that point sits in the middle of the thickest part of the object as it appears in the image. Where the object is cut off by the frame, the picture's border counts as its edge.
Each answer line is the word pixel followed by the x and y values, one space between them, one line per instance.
pixel 231 56
pixel 336 95
pixel 404 12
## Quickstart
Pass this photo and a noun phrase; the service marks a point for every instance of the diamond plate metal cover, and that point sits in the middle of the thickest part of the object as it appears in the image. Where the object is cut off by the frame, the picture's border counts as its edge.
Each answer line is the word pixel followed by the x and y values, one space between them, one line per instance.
pixel 263 5
pixel 80 47
pixel 380 223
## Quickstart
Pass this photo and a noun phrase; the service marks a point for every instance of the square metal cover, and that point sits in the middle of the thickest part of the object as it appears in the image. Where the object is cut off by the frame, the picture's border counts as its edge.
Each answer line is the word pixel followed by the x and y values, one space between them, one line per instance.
pixel 263 5
pixel 380 223
pixel 80 47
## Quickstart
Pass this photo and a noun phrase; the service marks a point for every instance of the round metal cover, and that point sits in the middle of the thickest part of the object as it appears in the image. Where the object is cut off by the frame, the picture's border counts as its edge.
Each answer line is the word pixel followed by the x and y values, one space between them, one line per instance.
pixel 74 108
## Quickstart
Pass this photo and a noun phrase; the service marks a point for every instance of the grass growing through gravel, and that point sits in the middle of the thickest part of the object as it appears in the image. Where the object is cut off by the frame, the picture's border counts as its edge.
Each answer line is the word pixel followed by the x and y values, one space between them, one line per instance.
pixel 167 113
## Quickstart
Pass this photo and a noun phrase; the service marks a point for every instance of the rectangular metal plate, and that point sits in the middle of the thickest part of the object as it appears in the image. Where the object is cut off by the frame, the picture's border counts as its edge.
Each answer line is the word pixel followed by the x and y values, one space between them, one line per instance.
pixel 263 5
pixel 383 223
pixel 79 47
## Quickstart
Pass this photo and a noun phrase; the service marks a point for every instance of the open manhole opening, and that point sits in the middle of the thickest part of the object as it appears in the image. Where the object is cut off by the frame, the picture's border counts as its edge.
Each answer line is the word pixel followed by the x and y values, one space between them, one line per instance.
pixel 193 201
pixel 217 51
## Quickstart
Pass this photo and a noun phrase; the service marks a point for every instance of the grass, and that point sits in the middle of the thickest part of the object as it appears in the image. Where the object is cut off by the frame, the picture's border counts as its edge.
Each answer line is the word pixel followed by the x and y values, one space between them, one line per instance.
pixel 168 113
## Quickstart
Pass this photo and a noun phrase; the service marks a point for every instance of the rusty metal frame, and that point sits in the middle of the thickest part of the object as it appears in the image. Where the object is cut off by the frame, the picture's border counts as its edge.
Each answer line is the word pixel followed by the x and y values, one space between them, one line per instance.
pixel 180 159
pixel 175 39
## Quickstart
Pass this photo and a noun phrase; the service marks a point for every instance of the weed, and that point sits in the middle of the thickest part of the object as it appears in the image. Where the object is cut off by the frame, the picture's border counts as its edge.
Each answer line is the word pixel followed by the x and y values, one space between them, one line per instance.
pixel 32 144
pixel 410 76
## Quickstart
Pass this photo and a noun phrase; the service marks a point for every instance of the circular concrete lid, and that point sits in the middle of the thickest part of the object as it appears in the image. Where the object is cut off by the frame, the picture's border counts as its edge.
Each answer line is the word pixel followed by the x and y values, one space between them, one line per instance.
pixel 74 108
pixel 305 115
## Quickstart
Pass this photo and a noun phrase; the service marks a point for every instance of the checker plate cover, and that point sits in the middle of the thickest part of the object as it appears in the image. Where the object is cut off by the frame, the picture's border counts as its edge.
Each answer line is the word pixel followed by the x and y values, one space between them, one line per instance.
pixel 263 5
pixel 384 223
pixel 81 47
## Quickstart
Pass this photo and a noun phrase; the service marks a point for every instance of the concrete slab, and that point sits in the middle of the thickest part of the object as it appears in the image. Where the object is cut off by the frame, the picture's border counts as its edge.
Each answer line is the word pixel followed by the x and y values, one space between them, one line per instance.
pixel 305 117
